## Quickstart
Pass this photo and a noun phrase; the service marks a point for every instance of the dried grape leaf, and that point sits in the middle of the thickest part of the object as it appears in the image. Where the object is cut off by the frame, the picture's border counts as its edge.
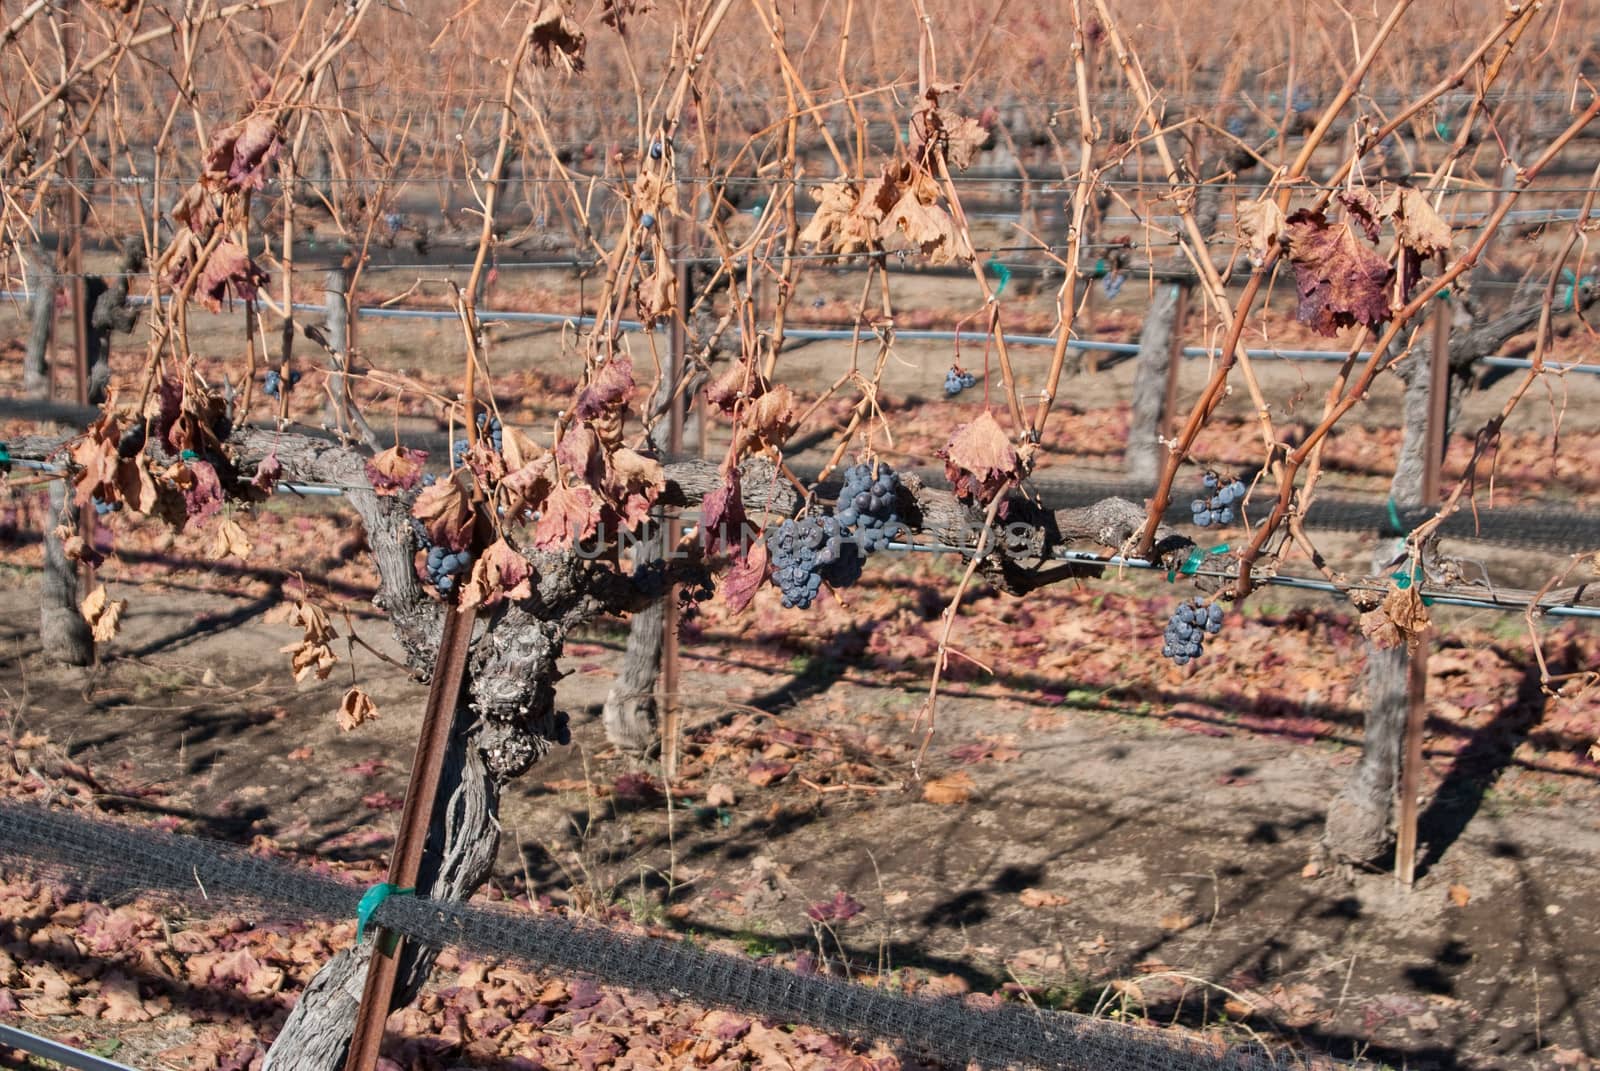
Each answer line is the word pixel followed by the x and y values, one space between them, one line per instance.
pixel 557 39
pixel 1420 231
pixel 1259 225
pixel 979 459
pixel 722 516
pixel 446 514
pixel 103 613
pixel 1362 207
pixel 313 654
pixel 231 540
pixel 229 270
pixel 607 389
pixel 744 579
pixel 396 469
pixel 500 572
pixel 569 515
pixel 957 788
pixel 1342 281
pixel 355 708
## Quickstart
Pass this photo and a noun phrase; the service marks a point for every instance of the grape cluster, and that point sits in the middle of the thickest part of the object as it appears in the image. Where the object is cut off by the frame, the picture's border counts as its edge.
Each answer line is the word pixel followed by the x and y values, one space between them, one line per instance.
pixel 1216 509
pixel 957 380
pixel 273 383
pixel 444 567
pixel 1112 284
pixel 801 552
pixel 103 508
pixel 1187 629
pixel 865 509
pixel 693 592
pixel 488 427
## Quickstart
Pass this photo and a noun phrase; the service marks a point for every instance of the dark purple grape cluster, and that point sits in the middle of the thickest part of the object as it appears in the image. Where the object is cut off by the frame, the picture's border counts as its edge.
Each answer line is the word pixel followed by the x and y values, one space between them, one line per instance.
pixel 1184 639
pixel 103 508
pixel 273 383
pixel 800 552
pixel 1216 509
pixel 445 568
pixel 957 380
pixel 694 591
pixel 488 428
pixel 865 510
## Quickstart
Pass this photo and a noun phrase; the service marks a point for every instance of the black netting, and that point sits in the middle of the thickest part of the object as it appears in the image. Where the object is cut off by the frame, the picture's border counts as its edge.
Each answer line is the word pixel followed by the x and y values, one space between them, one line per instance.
pixel 106 859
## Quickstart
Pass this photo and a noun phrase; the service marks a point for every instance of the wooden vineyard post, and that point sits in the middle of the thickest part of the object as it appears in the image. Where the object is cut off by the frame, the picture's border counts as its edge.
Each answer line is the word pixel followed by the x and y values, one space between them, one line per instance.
pixel 1169 407
pixel 1405 852
pixel 78 286
pixel 438 719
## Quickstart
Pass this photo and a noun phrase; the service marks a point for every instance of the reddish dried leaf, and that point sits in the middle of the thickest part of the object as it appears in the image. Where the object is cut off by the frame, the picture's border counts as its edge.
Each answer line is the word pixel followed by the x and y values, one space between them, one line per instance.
pixel 744 579
pixel 739 382
pixel 396 469
pixel 607 390
pixel 95 462
pixel 239 154
pixel 446 514
pixel 569 515
pixel 581 457
pixel 842 908
pixel 979 459
pixel 1362 208
pixel 1342 281
pixel 722 516
pixel 202 490
pixel 634 485
pixel 229 271
pixel 267 474
pixel 499 573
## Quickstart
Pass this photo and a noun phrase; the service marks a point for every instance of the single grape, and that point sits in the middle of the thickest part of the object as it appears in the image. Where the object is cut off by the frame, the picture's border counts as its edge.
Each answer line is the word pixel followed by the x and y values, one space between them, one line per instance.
pixel 647 221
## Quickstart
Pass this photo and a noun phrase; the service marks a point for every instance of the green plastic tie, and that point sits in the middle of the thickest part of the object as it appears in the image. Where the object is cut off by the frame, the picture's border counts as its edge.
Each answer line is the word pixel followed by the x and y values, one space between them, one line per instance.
pixel 1191 564
pixel 1442 128
pixel 189 455
pixel 1573 283
pixel 1001 272
pixel 371 900
pixel 5 455
pixel 1394 519
pixel 1100 267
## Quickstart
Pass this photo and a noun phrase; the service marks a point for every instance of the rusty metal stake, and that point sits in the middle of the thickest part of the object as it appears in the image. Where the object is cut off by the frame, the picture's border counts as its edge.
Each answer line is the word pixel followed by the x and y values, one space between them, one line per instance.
pixel 450 669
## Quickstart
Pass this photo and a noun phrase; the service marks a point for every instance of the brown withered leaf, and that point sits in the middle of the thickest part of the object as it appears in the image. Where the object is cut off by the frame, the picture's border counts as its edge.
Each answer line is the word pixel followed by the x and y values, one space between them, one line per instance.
pixel 634 483
pixel 1420 231
pixel 239 154
pixel 228 271
pixel 122 1003
pixel 103 613
pixel 722 516
pixel 355 708
pixel 136 484
pixel 95 462
pixel 742 581
pixel 73 546
pixel 446 514
pixel 557 40
pixel 1460 895
pixel 1259 225
pixel 606 390
pixel 768 423
pixel 231 540
pixel 519 449
pixel 979 459
pixel 958 137
pixel 658 295
pixel 1342 281
pixel 957 788
pixel 499 573
pixel 396 469
pixel 1416 224
pixel 313 653
pixel 1361 206
pixel 569 515
pixel 1032 897
pixel 581 456
pixel 742 380
pixel 1402 616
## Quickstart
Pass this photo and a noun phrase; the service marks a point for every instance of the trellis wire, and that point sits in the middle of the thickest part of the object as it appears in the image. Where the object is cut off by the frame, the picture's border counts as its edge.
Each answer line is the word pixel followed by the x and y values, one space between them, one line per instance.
pixel 105 860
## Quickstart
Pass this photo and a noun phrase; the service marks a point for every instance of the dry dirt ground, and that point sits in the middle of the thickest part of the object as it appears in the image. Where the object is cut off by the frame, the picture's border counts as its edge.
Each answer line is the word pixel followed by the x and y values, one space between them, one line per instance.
pixel 1119 837
pixel 1132 858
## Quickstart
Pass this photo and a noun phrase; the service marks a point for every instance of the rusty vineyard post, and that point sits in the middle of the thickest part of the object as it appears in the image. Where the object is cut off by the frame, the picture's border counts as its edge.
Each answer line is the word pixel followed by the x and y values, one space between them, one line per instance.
pixel 438 721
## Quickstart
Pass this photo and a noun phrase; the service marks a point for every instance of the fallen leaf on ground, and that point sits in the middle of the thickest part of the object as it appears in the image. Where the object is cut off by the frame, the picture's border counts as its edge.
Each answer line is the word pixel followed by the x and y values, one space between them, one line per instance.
pixel 1460 895
pixel 957 788
pixel 1040 898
